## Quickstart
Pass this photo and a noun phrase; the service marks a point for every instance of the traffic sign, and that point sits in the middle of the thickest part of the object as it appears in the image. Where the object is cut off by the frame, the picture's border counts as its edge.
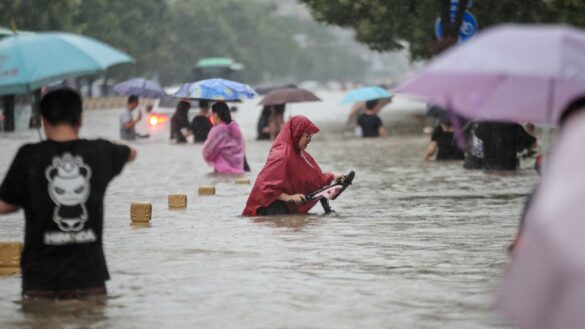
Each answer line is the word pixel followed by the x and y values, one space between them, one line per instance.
pixel 468 29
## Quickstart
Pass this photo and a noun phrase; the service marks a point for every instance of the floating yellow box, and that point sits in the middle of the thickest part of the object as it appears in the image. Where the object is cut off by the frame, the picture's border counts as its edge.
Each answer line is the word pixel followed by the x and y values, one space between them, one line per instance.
pixel 243 181
pixel 10 257
pixel 141 212
pixel 207 190
pixel 177 201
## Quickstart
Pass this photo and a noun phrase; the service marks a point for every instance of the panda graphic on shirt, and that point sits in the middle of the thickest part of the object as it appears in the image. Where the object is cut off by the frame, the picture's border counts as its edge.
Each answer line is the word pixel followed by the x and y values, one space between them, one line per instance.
pixel 69 188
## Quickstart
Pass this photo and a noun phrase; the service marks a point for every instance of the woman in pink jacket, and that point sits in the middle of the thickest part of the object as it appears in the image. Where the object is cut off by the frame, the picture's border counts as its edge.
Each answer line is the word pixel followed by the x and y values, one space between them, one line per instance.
pixel 224 147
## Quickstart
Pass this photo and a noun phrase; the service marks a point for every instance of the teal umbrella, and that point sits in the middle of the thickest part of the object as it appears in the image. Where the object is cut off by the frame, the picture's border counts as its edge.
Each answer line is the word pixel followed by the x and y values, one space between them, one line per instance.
pixel 365 94
pixel 28 62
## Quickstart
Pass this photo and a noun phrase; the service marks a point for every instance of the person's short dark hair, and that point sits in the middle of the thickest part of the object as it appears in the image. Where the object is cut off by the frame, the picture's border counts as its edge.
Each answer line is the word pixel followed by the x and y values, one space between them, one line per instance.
pixel 575 105
pixel 183 106
pixel 445 120
pixel 132 99
pixel 203 104
pixel 62 106
pixel 371 104
pixel 222 111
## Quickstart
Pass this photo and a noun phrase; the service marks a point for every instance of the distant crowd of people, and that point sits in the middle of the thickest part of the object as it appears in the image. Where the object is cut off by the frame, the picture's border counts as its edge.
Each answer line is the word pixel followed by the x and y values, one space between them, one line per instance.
pixel 224 151
pixel 480 144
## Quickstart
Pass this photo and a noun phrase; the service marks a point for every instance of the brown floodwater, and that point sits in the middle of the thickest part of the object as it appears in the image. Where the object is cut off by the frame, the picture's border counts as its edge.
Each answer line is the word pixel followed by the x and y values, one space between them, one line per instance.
pixel 412 244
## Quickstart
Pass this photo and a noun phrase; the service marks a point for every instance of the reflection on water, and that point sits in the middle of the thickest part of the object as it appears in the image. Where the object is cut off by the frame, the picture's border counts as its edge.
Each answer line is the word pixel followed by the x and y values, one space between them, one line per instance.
pixel 296 222
pixel 85 313
pixel 412 244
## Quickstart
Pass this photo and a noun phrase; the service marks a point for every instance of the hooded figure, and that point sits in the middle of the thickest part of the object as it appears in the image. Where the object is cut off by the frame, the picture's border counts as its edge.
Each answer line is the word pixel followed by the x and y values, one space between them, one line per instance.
pixel 224 147
pixel 289 170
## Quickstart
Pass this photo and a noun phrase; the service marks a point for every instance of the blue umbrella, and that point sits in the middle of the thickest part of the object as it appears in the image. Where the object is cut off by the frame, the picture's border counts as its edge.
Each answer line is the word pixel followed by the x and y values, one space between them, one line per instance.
pixel 30 61
pixel 140 87
pixel 216 89
pixel 365 94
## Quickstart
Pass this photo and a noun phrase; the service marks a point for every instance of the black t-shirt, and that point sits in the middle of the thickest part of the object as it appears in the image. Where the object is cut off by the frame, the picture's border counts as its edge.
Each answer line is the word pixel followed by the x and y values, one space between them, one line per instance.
pixel 370 124
pixel 61 187
pixel 446 144
pixel 501 143
pixel 200 125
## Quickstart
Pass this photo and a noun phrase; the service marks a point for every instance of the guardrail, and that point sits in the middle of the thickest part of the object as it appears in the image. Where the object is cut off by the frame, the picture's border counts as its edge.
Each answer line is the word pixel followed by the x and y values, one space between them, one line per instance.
pixel 100 103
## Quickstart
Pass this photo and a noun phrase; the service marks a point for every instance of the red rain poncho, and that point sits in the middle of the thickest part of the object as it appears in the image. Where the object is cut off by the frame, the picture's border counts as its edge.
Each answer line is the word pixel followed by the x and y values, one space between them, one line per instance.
pixel 288 170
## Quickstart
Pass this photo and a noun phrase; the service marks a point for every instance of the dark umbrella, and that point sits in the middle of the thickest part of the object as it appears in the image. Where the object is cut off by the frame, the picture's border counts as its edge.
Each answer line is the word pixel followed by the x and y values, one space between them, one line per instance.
pixel 437 113
pixel 140 87
pixel 288 95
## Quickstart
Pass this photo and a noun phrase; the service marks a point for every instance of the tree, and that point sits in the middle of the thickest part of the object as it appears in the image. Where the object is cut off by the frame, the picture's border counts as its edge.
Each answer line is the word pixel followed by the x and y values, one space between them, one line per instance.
pixel 253 34
pixel 37 15
pixel 137 27
pixel 167 38
pixel 393 25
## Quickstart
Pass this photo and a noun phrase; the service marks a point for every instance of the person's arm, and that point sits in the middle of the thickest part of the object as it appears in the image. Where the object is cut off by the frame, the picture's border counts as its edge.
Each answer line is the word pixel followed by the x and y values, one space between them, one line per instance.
pixel 295 198
pixel 186 132
pixel 118 155
pixel 14 188
pixel 431 150
pixel 381 129
pixel 212 147
pixel 7 208
pixel 337 176
pixel 382 132
pixel 132 154
pixel 132 123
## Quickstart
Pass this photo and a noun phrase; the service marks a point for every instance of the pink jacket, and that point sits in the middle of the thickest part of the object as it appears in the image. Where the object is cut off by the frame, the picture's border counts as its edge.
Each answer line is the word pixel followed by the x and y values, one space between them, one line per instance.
pixel 224 148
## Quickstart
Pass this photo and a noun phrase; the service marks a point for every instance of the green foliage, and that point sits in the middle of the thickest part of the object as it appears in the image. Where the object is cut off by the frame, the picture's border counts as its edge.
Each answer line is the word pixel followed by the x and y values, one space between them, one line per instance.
pixel 38 15
pixel 390 25
pixel 168 37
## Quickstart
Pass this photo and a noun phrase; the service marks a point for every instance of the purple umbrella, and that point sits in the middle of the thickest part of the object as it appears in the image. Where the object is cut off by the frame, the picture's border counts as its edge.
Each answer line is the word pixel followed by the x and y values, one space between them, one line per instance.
pixel 140 87
pixel 509 73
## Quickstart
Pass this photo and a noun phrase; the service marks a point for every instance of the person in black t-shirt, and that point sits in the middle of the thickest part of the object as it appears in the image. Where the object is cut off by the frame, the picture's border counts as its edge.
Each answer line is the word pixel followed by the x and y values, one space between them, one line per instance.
pixel 502 141
pixel 443 143
pixel 201 125
pixel 369 122
pixel 60 183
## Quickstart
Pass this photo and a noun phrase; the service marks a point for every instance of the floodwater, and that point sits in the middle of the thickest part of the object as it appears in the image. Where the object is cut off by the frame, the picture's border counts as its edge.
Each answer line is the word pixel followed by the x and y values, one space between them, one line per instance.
pixel 412 244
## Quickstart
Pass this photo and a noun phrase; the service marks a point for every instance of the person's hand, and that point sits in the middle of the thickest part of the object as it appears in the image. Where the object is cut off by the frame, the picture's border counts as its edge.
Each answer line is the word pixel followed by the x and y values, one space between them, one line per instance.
pixel 338 176
pixel 296 198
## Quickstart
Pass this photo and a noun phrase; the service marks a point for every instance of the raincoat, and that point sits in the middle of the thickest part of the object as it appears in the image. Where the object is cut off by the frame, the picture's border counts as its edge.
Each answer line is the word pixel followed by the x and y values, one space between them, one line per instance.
pixel 545 283
pixel 224 148
pixel 288 170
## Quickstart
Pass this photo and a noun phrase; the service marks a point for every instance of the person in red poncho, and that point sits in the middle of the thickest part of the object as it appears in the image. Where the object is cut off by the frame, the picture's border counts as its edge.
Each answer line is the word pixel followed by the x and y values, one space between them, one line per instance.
pixel 289 173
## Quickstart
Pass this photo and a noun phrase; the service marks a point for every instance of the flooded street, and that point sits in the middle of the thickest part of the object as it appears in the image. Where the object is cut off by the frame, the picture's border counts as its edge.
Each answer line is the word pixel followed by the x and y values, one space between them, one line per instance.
pixel 412 244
